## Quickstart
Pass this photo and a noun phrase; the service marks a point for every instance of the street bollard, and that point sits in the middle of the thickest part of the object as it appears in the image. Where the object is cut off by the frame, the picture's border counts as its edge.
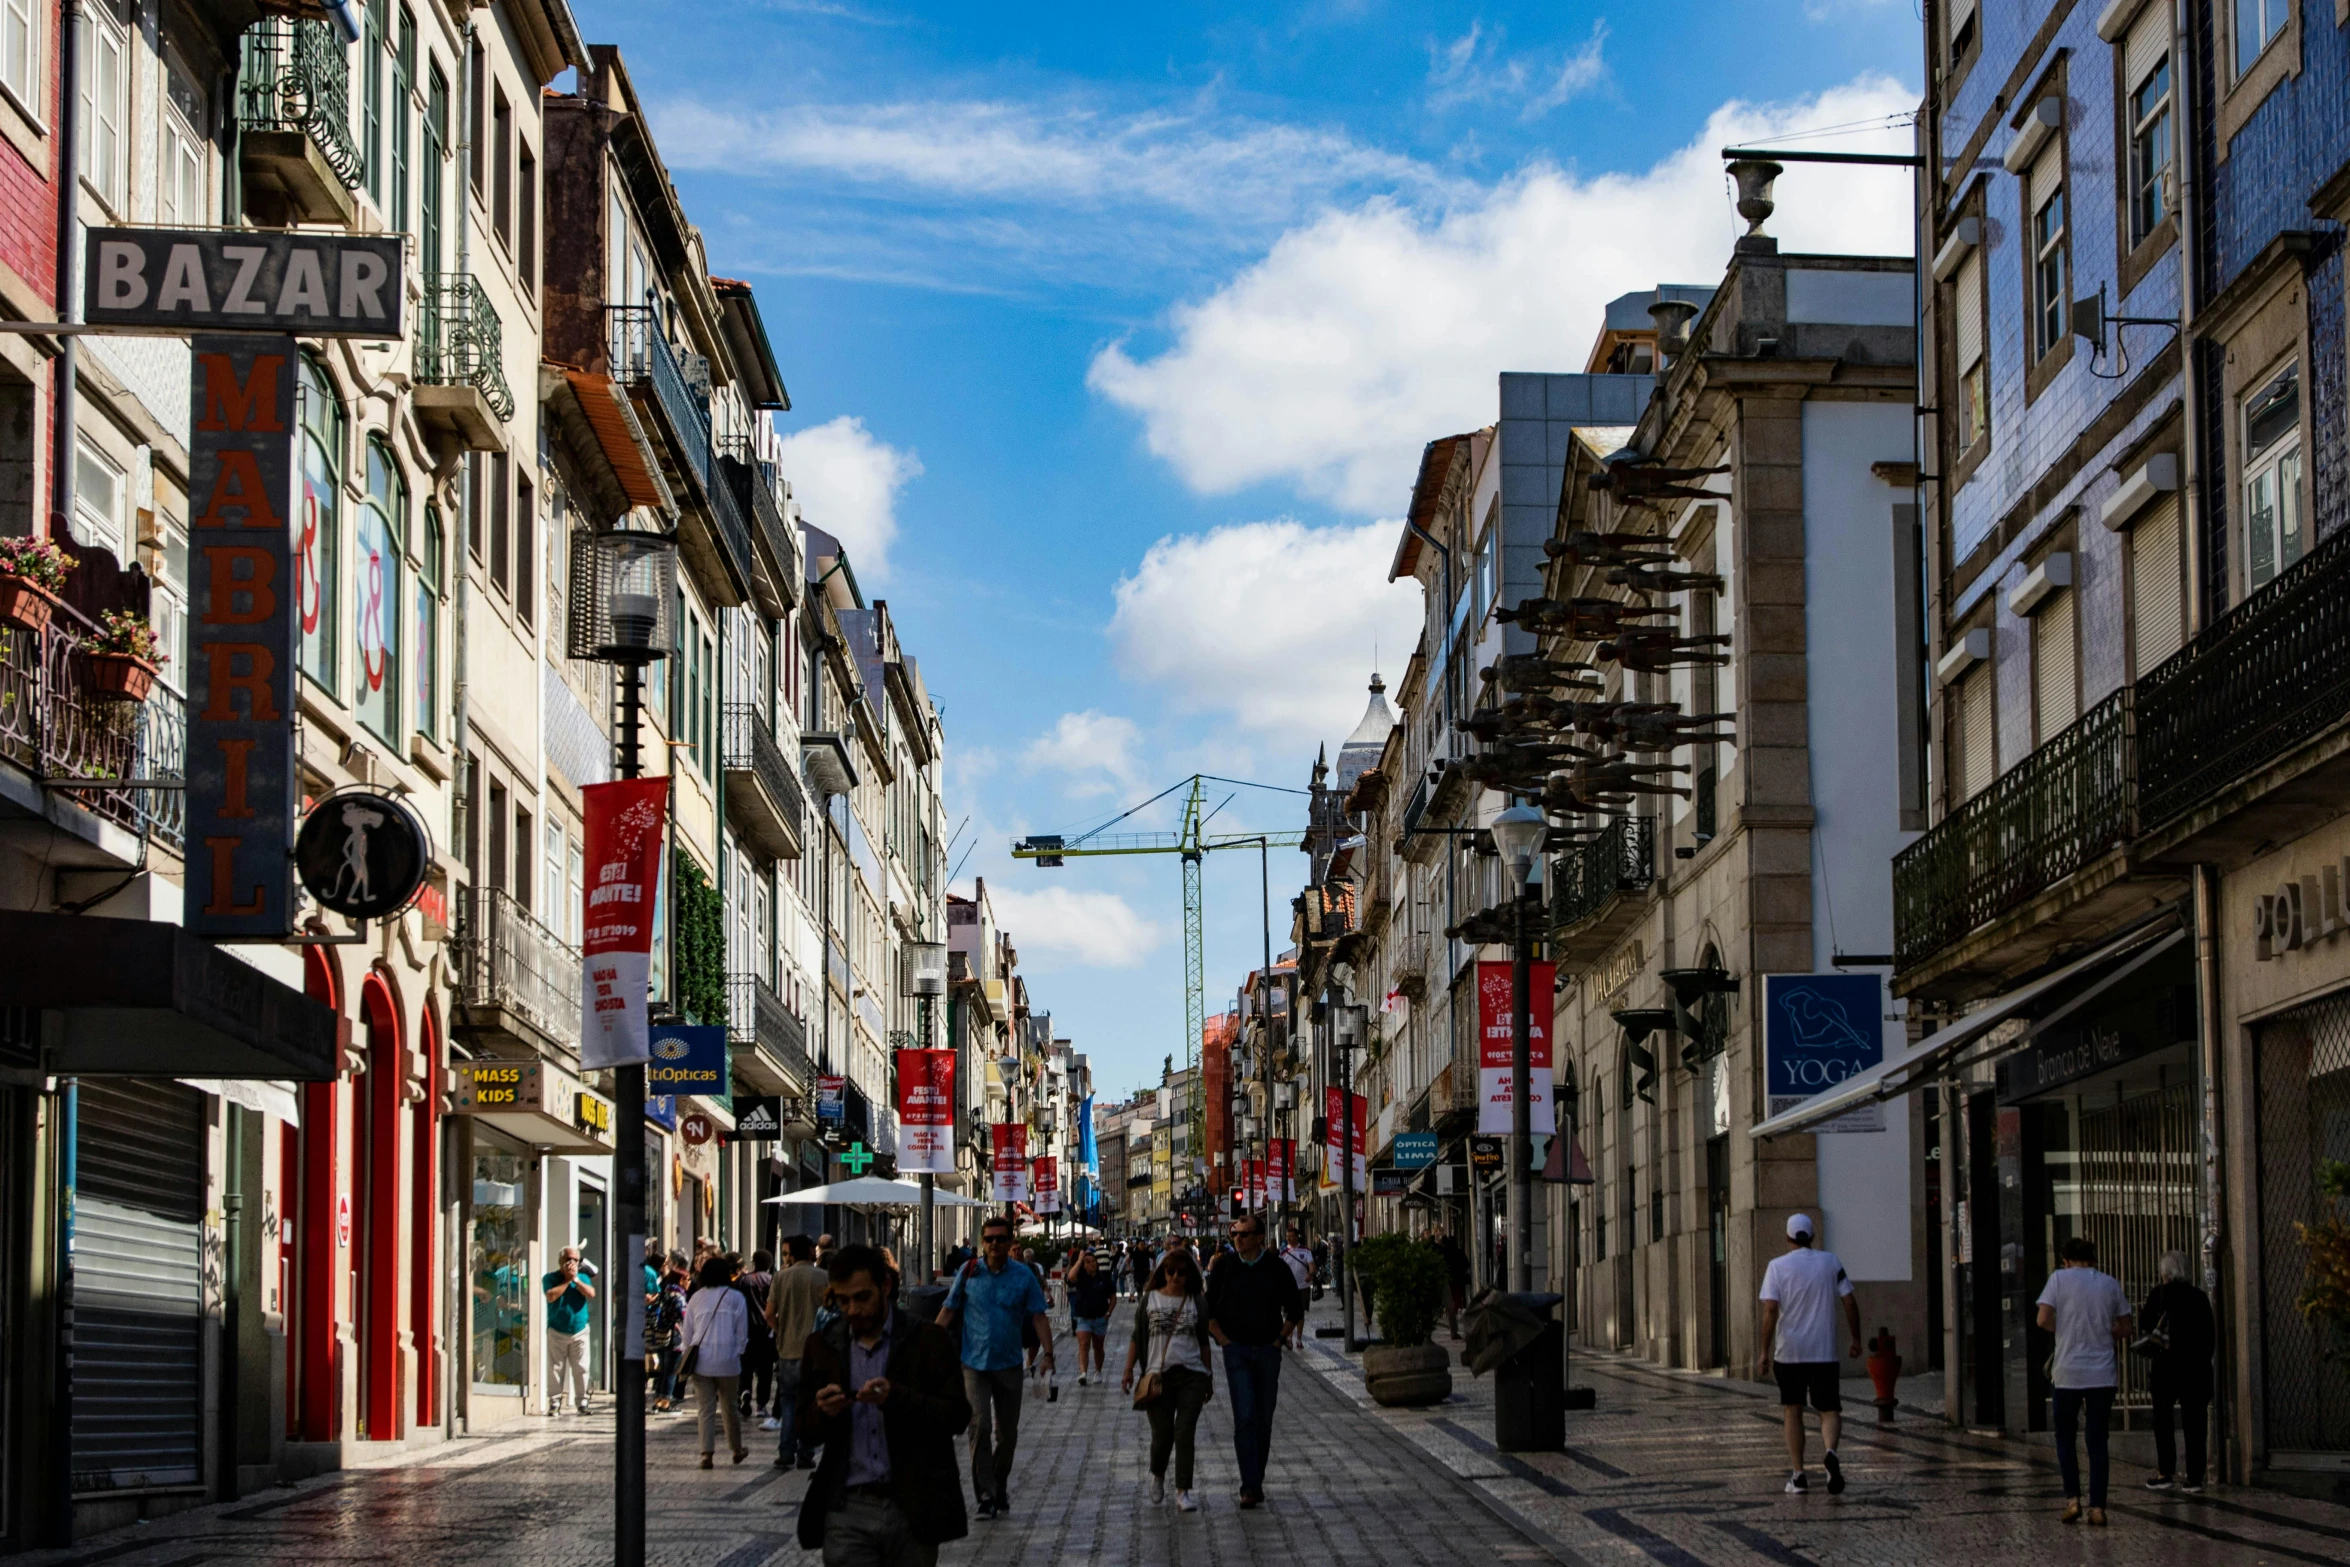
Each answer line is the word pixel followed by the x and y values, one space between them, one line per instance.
pixel 1885 1372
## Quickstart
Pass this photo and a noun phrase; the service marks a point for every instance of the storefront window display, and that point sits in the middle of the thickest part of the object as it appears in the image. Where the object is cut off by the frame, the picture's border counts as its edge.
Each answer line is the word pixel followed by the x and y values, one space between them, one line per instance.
pixel 498 1262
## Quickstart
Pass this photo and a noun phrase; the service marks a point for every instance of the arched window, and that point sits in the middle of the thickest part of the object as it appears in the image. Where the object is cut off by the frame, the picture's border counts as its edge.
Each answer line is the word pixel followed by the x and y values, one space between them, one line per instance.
pixel 318 521
pixel 376 598
pixel 431 551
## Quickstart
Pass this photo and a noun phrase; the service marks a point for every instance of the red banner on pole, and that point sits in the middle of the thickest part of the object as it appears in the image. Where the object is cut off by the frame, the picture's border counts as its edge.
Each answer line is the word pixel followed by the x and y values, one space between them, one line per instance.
pixel 1497 1049
pixel 1008 1146
pixel 1044 1176
pixel 624 824
pixel 926 1112
pixel 1333 1111
pixel 1281 1169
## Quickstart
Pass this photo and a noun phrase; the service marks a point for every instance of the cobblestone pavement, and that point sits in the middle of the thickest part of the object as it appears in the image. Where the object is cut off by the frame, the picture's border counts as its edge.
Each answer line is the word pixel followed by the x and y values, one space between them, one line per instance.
pixel 1670 1469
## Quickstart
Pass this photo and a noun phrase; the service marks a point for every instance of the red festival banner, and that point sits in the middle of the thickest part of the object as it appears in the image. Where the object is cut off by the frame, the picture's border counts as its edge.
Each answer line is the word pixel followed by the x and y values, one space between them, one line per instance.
pixel 1497 1049
pixel 926 1112
pixel 1332 1111
pixel 1281 1169
pixel 624 824
pixel 1044 1175
pixel 1008 1147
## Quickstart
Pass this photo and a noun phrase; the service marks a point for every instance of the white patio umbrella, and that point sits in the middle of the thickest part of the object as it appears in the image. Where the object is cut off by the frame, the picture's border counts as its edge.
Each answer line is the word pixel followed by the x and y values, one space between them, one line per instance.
pixel 871 1191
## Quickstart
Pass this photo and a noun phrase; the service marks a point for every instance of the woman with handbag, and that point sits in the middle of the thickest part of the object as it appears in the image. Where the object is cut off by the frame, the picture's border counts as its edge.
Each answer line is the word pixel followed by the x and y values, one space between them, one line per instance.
pixel 664 1314
pixel 1171 1343
pixel 717 1330
pixel 2179 1337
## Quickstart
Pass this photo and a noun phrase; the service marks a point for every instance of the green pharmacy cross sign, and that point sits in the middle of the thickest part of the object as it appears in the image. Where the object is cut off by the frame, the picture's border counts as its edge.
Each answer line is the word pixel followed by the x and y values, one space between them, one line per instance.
pixel 858 1159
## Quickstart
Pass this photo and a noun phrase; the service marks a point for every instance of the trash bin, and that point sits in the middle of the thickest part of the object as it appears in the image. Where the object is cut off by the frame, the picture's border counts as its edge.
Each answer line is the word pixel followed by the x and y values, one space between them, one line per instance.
pixel 923 1302
pixel 1529 1388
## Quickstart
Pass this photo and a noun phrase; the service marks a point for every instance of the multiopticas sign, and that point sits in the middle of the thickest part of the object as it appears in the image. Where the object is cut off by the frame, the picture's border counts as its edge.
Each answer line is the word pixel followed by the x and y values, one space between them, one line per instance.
pixel 688 1060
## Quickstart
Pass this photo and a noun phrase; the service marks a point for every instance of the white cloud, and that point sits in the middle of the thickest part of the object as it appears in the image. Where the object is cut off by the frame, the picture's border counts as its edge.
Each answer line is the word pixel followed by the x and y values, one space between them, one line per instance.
pixel 1371 330
pixel 847 483
pixel 1274 624
pixel 1099 928
pixel 1471 69
pixel 1092 752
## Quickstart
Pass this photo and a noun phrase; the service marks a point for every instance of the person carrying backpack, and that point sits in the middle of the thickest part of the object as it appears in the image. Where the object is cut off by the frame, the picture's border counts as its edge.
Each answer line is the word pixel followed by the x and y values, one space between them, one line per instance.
pixel 987 1307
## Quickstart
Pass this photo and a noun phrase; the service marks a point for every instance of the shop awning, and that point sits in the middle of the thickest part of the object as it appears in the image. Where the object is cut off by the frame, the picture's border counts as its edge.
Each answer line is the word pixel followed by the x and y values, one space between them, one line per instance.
pixel 142 998
pixel 536 1103
pixel 1966 1042
pixel 871 1191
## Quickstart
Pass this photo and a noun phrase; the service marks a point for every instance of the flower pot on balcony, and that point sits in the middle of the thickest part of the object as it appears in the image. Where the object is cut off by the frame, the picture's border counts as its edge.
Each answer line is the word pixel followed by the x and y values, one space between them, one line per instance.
pixel 120 677
pixel 24 602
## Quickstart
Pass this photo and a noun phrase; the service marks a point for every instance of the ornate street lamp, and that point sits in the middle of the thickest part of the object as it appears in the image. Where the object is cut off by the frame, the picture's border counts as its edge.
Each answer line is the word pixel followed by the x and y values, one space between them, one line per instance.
pixel 1518 834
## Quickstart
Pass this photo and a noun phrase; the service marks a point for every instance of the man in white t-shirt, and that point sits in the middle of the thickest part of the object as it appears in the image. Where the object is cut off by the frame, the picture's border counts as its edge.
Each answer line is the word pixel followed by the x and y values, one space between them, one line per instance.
pixel 1799 1293
pixel 2091 1318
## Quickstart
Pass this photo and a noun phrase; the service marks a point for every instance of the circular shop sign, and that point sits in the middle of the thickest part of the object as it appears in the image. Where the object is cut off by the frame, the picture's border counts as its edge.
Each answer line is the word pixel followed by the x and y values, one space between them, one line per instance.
pixel 697 1129
pixel 362 854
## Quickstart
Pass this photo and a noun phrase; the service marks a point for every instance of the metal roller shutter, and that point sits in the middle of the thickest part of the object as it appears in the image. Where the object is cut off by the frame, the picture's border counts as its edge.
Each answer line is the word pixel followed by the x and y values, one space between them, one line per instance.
pixel 2054 687
pixel 1967 293
pixel 138 1368
pixel 2158 592
pixel 2148 43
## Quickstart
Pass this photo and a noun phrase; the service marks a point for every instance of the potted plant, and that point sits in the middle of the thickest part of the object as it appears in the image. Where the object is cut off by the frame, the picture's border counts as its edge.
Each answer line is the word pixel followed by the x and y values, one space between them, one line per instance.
pixel 1408 1289
pixel 32 575
pixel 2325 1289
pixel 124 655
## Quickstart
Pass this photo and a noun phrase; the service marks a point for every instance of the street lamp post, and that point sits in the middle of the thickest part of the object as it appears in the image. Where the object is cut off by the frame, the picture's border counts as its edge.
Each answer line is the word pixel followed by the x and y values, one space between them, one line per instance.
pixel 1518 833
pixel 629 624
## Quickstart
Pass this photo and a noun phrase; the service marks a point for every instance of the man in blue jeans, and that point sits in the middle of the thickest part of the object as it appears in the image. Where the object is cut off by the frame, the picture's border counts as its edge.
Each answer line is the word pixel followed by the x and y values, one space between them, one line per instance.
pixel 1253 1302
pixel 986 1306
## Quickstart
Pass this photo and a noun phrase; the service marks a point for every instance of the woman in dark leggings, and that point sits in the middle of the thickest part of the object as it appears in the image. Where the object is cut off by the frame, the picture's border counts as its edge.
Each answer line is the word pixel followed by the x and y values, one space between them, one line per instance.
pixel 1171 1340
pixel 2179 1316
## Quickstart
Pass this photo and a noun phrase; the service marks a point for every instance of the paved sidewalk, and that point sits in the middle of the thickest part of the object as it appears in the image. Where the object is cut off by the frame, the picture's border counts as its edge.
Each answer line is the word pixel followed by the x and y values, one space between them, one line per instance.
pixel 1671 1470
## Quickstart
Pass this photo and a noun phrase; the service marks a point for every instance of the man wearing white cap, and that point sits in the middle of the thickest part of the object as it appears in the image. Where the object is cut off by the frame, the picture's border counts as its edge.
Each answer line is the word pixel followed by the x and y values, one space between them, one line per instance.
pixel 1799 1293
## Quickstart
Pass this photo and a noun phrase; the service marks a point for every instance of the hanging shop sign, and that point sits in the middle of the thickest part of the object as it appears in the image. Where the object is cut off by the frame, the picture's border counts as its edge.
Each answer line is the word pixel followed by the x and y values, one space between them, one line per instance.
pixel 926 1112
pixel 758 1118
pixel 623 826
pixel 661 1111
pixel 1818 1030
pixel 1389 1183
pixel 1485 1153
pixel 1007 1143
pixel 1497 1048
pixel 1333 1110
pixel 1044 1179
pixel 362 854
pixel 497 1085
pixel 592 1114
pixel 696 1128
pixel 240 757
pixel 241 280
pixel 831 1099
pixel 688 1058
pixel 1414 1150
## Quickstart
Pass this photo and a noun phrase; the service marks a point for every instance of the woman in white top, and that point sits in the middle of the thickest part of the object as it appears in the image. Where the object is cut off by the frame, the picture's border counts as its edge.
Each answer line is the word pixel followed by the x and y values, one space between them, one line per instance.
pixel 1171 1342
pixel 717 1330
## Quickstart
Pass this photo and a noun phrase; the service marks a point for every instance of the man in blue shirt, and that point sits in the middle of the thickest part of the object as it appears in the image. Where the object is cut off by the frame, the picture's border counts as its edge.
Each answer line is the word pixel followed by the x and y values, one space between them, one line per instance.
pixel 985 1308
pixel 568 1291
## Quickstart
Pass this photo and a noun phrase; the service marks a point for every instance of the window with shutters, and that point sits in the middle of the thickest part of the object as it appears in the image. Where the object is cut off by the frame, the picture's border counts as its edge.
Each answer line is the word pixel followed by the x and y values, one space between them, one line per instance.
pixel 1972 405
pixel 2049 258
pixel 1975 746
pixel 2056 698
pixel 2158 590
pixel 2146 78
pixel 2274 534
pixel 1962 30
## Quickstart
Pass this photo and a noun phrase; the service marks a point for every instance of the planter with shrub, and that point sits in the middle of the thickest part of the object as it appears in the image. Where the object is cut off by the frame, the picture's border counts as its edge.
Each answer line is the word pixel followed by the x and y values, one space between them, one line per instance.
pixel 32 575
pixel 124 656
pixel 1408 1290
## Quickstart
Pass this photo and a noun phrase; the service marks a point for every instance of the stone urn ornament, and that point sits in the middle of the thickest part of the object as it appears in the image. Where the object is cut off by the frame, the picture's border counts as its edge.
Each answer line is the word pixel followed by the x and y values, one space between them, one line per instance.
pixel 1755 177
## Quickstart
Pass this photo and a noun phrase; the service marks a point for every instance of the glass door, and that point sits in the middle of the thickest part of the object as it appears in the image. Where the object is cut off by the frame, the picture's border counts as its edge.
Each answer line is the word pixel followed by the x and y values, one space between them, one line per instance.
pixel 595 1242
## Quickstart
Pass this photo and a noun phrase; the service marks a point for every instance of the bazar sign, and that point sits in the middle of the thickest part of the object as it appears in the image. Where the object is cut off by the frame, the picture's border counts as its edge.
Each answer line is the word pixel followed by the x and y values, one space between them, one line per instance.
pixel 319 285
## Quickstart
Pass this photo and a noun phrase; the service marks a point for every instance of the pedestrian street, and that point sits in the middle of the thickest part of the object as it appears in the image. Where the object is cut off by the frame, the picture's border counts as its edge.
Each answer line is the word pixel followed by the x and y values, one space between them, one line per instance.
pixel 1671 1469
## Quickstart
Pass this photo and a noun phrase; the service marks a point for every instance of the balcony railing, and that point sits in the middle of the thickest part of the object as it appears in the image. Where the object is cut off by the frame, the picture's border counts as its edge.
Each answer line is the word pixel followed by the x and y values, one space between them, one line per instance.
pixel 641 353
pixel 509 961
pixel 296 77
pixel 2038 822
pixel 55 726
pixel 727 507
pixel 777 537
pixel 757 1016
pixel 1622 859
pixel 751 750
pixel 462 343
pixel 2257 684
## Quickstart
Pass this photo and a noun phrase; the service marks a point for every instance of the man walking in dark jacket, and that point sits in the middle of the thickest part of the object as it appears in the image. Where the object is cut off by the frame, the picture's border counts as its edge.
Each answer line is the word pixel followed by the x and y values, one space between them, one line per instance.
pixel 882 1391
pixel 1253 1302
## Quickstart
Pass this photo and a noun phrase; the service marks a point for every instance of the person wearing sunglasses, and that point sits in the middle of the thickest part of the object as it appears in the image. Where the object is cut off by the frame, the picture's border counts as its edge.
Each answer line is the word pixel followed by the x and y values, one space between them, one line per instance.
pixel 986 1307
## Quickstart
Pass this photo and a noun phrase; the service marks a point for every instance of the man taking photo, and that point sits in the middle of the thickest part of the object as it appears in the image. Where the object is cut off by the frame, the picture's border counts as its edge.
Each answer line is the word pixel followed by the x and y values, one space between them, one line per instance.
pixel 989 1303
pixel 568 1289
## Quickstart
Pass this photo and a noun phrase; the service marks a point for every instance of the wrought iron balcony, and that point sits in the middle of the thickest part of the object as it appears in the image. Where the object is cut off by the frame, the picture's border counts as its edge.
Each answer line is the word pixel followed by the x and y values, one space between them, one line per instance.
pixel 730 513
pixel 294 121
pixel 2041 820
pixel 642 358
pixel 93 750
pixel 462 342
pixel 776 581
pixel 2256 685
pixel 757 1017
pixel 1621 860
pixel 764 799
pixel 516 976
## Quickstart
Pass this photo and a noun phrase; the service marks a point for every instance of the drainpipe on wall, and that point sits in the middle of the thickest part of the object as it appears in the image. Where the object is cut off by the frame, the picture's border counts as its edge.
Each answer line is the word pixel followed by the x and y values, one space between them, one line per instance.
pixel 2191 441
pixel 69 185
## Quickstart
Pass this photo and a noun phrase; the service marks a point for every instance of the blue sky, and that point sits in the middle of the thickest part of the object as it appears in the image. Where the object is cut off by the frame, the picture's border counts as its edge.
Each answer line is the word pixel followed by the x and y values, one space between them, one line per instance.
pixel 1114 333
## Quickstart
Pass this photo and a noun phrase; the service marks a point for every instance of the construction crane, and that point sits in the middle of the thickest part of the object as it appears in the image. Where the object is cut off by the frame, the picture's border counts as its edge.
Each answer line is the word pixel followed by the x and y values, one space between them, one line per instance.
pixel 1194 843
